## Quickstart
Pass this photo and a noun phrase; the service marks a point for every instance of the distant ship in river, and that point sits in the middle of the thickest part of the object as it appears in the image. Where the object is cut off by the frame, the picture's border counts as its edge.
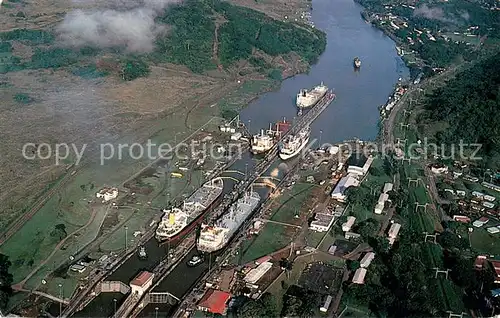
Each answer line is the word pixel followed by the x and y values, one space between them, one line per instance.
pixel 175 219
pixel 308 98
pixel 357 62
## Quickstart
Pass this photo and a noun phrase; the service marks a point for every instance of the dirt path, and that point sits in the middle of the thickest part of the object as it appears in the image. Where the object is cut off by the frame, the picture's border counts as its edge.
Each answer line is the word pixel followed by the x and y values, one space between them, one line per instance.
pixel 58 246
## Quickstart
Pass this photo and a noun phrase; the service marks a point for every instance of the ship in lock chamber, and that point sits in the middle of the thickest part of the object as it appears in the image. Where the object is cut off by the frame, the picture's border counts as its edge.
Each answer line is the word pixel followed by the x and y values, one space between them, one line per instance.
pixel 175 219
pixel 214 237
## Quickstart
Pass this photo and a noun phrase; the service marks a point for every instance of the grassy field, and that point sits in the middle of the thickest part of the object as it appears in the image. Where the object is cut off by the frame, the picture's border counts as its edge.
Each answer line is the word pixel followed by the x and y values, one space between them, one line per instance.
pixel 289 204
pixel 484 242
pixel 271 238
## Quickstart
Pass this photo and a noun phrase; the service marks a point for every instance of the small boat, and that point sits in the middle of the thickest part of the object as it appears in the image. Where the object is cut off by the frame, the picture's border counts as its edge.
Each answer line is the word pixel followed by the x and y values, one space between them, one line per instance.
pixel 195 261
pixel 357 62
pixel 142 253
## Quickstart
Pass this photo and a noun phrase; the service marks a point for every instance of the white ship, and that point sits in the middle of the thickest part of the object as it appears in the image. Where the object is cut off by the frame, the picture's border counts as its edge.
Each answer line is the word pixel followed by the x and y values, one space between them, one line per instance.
pixel 214 237
pixel 175 219
pixel 308 98
pixel 293 144
pixel 263 142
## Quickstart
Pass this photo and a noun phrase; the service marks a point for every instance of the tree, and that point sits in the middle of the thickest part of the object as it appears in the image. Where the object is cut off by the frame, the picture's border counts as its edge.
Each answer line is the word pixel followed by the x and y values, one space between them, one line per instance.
pixel 133 69
pixel 368 228
pixel 450 240
pixel 265 306
pixel 5 281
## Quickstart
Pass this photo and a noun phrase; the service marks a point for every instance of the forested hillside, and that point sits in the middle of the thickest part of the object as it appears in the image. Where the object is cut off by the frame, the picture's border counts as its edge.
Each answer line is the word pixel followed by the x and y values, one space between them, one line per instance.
pixel 470 106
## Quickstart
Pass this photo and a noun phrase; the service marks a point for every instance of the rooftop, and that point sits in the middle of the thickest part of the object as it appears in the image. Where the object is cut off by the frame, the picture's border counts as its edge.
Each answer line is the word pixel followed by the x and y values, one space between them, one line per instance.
pixel 141 279
pixel 357 159
pixel 215 301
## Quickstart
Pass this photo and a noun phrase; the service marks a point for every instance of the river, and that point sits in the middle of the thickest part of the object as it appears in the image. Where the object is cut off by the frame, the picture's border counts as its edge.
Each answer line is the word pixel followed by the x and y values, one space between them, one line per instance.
pixel 354 113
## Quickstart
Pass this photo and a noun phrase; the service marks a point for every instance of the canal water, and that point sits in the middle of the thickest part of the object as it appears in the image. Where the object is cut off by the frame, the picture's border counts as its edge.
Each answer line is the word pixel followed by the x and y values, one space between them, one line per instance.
pixel 354 113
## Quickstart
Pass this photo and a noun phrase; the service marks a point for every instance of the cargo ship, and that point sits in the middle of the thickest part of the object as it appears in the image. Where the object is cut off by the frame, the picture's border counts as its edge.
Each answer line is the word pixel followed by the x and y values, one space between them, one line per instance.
pixel 308 98
pixel 264 141
pixel 357 62
pixel 214 237
pixel 293 144
pixel 175 220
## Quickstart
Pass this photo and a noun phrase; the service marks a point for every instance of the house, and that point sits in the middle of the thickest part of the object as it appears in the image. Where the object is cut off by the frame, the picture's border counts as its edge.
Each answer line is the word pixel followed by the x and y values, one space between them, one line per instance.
pixel 489 198
pixel 478 195
pixel 358 164
pixel 387 187
pixel 338 192
pixel 214 301
pixel 381 203
pixel 461 218
pixel 326 305
pixel 323 219
pixel 493 230
pixel 141 282
pixel 482 221
pixel 367 259
pixel 359 276
pixel 352 235
pixel 346 227
pixel 491 186
pixel 393 232
pixel 488 205
pixel 439 169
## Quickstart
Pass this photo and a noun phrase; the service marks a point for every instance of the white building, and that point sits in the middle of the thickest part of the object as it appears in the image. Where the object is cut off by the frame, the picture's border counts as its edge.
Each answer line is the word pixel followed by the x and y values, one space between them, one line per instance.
pixel 358 164
pixel 255 274
pixel 393 232
pixel 489 198
pixel 348 224
pixel 323 219
pixel 387 187
pixel 367 259
pixel 339 192
pixel 141 283
pixel 107 194
pixel 381 203
pixel 359 276
pixel 439 169
pixel 326 305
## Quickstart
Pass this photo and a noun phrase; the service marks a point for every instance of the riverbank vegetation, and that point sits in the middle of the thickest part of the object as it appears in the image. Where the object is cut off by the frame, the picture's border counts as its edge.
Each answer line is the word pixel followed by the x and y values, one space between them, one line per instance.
pixel 434 35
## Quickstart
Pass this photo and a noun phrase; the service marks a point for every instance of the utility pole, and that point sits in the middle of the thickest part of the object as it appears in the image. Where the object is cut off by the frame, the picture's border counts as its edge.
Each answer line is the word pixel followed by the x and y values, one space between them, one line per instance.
pixel 114 301
pixel 156 312
pixel 320 134
pixel 60 303
pixel 126 238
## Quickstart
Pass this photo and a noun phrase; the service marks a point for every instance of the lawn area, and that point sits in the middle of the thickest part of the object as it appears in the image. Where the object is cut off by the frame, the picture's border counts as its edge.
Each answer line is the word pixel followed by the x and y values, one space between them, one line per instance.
pixel 289 204
pixel 271 238
pixel 484 242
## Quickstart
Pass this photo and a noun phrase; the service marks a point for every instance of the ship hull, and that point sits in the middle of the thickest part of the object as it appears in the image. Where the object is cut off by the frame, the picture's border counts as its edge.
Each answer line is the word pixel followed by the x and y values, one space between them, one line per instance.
pixel 284 156
pixel 259 151
pixel 210 247
pixel 308 104
pixel 189 226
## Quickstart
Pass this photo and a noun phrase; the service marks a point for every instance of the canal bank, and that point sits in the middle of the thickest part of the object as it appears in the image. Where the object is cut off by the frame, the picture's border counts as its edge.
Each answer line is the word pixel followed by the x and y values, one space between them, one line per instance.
pixel 353 114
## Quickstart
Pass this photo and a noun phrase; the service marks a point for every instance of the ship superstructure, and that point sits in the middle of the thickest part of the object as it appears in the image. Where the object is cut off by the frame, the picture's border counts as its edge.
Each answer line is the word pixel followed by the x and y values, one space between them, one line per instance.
pixel 293 144
pixel 308 98
pixel 214 237
pixel 264 141
pixel 176 219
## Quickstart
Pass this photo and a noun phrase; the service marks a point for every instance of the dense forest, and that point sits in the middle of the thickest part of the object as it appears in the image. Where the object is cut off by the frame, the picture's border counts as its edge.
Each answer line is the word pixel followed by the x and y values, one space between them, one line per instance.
pixel 469 104
pixel 189 42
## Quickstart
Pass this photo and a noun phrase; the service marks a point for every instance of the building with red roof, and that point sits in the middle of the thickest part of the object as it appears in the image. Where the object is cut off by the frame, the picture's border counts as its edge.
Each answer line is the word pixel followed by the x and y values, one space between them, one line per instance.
pixel 214 301
pixel 141 282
